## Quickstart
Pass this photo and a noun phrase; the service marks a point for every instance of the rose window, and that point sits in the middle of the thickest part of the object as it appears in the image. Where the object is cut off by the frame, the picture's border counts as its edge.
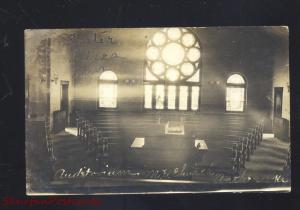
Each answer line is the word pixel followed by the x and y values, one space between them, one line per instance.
pixel 173 54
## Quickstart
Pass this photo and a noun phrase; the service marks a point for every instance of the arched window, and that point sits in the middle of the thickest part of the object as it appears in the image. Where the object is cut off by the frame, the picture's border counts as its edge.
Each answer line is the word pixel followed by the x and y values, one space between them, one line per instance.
pixel 172 70
pixel 235 93
pixel 108 90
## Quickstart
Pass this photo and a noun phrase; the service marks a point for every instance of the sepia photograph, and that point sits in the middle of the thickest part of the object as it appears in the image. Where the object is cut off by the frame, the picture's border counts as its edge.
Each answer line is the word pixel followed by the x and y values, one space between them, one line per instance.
pixel 157 110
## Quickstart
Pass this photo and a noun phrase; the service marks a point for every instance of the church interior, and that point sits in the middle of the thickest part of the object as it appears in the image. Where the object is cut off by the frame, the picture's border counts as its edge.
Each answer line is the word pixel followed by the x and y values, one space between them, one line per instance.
pixel 153 106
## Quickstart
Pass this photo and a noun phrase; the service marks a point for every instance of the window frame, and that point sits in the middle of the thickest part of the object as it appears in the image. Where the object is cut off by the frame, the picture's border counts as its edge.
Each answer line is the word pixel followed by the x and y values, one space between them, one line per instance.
pixel 104 81
pixel 177 84
pixel 234 85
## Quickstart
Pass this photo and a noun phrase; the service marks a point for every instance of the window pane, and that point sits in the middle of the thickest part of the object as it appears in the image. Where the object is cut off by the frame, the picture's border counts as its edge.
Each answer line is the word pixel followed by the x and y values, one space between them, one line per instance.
pixel 108 75
pixel 183 96
pixel 195 77
pixel 160 96
pixel 150 76
pixel 195 98
pixel 108 95
pixel 235 99
pixel 236 79
pixel 148 96
pixel 171 97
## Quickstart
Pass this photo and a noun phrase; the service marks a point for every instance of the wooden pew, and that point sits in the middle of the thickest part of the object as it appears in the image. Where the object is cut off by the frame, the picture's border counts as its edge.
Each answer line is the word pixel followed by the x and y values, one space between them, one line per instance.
pixel 244 143
pixel 233 139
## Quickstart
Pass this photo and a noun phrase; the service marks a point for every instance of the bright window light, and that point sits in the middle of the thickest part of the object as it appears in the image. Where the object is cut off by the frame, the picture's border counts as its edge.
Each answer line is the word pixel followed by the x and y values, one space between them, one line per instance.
pixel 187 69
pixel 195 77
pixel 183 96
pixel 160 96
pixel 171 97
pixel 236 79
pixel 159 38
pixel 149 76
pixel 235 93
pixel 174 33
pixel 172 74
pixel 172 60
pixel 108 75
pixel 148 96
pixel 108 95
pixel 188 40
pixel 158 68
pixel 173 54
pixel 193 54
pixel 152 53
pixel 175 48
pixel 108 90
pixel 235 99
pixel 195 97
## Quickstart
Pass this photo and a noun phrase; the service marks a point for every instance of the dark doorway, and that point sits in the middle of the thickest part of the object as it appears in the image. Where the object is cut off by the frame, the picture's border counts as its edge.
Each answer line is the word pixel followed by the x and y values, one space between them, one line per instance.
pixel 278 91
pixel 64 100
pixel 280 125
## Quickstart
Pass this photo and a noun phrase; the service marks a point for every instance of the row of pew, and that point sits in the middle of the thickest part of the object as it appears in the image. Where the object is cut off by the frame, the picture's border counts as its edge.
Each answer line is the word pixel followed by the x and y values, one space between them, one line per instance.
pixel 96 143
pixel 231 139
pixel 229 151
pixel 231 143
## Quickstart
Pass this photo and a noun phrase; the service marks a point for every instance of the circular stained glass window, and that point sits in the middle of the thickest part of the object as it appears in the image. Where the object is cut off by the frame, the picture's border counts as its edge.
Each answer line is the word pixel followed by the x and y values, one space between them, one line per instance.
pixel 187 69
pixel 152 53
pixel 172 74
pixel 173 54
pixel 158 67
pixel 159 39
